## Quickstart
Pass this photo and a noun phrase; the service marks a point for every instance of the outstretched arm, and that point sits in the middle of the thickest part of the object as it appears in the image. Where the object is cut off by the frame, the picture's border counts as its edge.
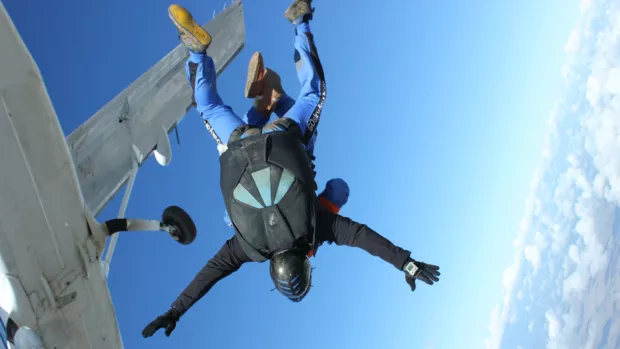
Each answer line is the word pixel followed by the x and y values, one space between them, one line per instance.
pixel 227 261
pixel 344 231
pixel 334 228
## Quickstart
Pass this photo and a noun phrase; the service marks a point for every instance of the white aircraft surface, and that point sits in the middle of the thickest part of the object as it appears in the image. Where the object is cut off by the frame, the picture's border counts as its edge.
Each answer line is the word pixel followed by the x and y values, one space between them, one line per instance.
pixel 53 275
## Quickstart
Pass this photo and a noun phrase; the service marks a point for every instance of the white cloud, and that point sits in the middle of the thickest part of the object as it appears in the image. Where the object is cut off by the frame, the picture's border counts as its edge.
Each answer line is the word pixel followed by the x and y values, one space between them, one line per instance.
pixel 553 324
pixel 540 241
pixel 496 327
pixel 510 276
pixel 566 235
pixel 593 93
pixel 574 41
pixel 500 314
pixel 532 254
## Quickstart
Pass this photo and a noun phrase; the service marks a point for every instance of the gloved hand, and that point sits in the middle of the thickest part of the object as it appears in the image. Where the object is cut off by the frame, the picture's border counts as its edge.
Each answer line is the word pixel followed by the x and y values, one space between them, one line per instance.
pixel 168 321
pixel 417 270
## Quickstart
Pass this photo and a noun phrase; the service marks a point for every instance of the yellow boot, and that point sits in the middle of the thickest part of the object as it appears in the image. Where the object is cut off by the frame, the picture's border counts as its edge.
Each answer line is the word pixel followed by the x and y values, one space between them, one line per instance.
pixel 193 36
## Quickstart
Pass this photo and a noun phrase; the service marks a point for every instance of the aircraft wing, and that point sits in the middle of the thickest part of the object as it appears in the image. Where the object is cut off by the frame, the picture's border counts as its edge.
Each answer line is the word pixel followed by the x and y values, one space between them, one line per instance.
pixel 122 134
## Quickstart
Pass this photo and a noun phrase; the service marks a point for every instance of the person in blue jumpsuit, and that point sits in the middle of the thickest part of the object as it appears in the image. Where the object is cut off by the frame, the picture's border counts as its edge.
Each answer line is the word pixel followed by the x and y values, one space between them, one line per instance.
pixel 268 183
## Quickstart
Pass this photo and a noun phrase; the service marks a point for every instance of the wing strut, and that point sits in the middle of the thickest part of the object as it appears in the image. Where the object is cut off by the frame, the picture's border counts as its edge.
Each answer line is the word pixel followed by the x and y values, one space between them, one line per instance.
pixel 107 258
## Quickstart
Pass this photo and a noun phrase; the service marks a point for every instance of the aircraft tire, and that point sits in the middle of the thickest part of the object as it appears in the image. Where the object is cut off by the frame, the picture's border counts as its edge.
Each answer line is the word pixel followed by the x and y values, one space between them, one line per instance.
pixel 185 227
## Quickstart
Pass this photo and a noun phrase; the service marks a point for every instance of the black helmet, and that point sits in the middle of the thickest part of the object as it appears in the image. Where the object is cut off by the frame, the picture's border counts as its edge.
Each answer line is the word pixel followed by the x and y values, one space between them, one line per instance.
pixel 291 273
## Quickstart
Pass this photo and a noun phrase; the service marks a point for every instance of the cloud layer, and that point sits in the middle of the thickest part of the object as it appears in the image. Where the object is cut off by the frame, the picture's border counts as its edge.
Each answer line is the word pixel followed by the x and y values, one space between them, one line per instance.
pixel 561 290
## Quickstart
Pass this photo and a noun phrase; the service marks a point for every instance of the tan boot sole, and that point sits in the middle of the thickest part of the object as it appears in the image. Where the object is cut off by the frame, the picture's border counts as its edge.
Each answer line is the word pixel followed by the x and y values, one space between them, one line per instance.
pixel 297 9
pixel 255 68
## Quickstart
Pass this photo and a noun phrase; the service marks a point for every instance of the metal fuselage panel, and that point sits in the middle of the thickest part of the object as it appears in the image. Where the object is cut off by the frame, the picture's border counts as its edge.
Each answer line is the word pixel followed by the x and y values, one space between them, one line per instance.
pixel 50 276
pixel 45 283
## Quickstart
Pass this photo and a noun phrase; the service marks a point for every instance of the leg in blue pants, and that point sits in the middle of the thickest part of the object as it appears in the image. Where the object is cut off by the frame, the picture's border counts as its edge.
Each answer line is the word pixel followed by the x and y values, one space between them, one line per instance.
pixel 219 117
pixel 254 118
pixel 306 111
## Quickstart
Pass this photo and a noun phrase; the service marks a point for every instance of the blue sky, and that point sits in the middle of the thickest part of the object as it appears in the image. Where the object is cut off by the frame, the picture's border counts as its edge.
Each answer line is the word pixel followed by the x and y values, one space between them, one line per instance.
pixel 436 116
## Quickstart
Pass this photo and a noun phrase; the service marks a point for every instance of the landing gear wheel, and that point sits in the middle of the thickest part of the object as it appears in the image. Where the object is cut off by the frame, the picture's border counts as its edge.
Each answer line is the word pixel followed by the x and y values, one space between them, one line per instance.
pixel 180 224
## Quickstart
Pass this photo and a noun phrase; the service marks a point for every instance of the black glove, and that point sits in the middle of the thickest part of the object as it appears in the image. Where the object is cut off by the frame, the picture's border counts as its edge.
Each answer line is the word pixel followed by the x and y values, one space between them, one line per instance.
pixel 167 321
pixel 417 270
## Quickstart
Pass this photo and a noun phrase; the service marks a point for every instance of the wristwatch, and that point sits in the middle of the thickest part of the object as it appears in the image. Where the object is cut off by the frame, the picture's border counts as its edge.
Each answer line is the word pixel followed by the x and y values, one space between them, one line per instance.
pixel 411 268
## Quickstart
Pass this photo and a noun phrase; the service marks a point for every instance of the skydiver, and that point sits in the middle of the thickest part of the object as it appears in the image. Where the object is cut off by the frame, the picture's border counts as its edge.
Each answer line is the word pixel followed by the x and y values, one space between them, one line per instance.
pixel 267 181
pixel 264 86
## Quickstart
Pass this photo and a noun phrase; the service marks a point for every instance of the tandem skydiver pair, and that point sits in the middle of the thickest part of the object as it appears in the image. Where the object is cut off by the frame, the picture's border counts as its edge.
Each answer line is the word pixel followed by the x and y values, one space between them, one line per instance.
pixel 267 178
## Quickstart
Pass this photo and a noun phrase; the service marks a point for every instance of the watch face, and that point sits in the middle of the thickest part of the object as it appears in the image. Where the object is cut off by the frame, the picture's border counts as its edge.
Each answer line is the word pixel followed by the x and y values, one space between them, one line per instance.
pixel 411 268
